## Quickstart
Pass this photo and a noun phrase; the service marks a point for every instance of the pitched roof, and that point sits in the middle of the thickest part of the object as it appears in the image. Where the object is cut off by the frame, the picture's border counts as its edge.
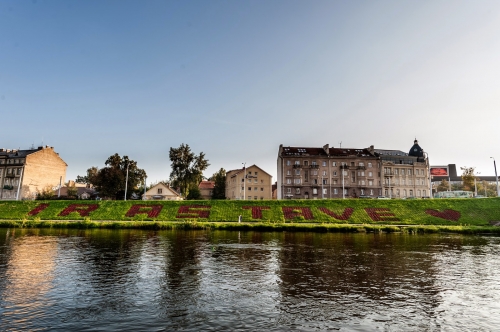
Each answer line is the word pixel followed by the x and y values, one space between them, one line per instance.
pixel 206 185
pixel 237 171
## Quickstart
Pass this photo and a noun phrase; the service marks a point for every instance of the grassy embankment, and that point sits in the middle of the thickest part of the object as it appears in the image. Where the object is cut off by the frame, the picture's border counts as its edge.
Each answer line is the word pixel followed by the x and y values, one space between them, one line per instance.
pixel 449 215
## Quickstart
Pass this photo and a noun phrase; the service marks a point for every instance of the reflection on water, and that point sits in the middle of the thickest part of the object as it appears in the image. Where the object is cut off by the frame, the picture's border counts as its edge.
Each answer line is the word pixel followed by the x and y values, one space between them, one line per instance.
pixel 201 280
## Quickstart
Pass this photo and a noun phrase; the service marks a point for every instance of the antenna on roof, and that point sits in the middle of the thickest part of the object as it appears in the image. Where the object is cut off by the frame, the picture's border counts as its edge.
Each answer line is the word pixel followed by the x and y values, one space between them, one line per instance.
pixel 340 143
pixel 33 146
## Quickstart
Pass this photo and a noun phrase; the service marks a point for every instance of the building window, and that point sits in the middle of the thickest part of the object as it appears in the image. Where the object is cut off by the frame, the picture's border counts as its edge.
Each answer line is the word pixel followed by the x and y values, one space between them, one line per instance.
pixel 315 172
pixel 255 188
pixel 334 173
pixel 297 190
pixel 255 181
pixel 324 173
pixel 325 191
pixel 334 181
pixel 288 172
pixel 315 181
pixel 261 198
pixel 288 181
pixel 297 162
pixel 395 171
pixel 402 172
pixel 306 163
pixel 296 181
pixel 9 171
pixel 315 191
pixel 314 163
pixel 418 193
pixel 255 173
pixel 325 181
pixel 255 197
pixel 249 188
pixel 261 189
pixel 409 172
pixel 370 165
pixel 334 164
pixel 370 174
pixel 289 190
pixel 361 164
pixel 297 172
pixel 362 191
pixel 424 193
pixel 288 162
pixel 160 191
pixel 404 192
pixel 411 193
pixel 324 164
pixel 335 191
pixel 371 192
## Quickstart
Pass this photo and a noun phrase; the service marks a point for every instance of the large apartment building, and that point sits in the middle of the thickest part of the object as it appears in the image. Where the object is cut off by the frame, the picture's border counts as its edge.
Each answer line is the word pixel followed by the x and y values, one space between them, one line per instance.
pixel 248 183
pixel 24 173
pixel 405 174
pixel 319 173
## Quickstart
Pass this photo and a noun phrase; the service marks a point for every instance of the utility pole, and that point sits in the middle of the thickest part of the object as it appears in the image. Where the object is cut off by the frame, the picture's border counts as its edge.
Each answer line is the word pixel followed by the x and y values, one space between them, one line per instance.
pixel 244 179
pixel 496 176
pixel 126 183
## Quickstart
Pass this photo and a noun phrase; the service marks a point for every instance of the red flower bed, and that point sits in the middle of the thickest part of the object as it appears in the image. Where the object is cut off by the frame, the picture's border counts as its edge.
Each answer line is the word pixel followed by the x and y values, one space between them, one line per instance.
pixel 381 214
pixel 151 210
pixel 82 209
pixel 256 211
pixel 194 211
pixel 38 209
pixel 344 216
pixel 445 214
pixel 302 211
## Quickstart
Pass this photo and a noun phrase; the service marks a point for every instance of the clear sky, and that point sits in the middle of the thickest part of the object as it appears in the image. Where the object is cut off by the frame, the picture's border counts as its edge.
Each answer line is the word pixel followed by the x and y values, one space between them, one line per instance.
pixel 235 79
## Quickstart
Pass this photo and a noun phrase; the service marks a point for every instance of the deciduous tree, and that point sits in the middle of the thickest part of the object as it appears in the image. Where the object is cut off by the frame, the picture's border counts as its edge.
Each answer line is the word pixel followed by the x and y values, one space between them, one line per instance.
pixel 219 178
pixel 187 168
pixel 468 178
pixel 109 181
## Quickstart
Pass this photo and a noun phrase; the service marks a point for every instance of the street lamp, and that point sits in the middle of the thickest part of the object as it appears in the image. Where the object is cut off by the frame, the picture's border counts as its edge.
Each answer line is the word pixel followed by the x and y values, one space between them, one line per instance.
pixel 475 185
pixel 343 189
pixel 126 182
pixel 496 176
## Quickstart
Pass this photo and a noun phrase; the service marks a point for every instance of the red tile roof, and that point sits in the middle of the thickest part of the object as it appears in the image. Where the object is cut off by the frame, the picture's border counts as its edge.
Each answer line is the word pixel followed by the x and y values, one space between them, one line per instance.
pixel 206 185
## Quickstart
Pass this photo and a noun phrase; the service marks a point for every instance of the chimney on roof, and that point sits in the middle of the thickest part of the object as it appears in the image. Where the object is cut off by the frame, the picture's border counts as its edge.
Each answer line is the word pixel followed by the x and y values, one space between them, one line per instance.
pixel 371 149
pixel 2 150
pixel 40 147
pixel 326 147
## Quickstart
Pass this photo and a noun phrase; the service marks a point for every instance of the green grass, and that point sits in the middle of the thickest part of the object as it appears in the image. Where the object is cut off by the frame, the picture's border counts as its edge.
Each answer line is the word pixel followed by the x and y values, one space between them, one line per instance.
pixel 472 212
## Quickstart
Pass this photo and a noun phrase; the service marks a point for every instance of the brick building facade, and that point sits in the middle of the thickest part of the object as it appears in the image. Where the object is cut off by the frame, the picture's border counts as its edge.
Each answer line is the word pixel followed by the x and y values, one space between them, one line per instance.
pixel 316 173
pixel 251 183
pixel 29 172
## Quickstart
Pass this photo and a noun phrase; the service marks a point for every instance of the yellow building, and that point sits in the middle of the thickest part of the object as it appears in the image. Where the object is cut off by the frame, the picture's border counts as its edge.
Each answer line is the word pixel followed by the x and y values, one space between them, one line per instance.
pixel 248 183
pixel 29 172
pixel 161 192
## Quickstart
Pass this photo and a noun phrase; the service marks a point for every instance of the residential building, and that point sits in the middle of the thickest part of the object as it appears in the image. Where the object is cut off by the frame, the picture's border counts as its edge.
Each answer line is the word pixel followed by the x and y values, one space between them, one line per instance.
pixel 206 189
pixel 29 172
pixel 405 174
pixel 161 192
pixel 248 183
pixel 324 172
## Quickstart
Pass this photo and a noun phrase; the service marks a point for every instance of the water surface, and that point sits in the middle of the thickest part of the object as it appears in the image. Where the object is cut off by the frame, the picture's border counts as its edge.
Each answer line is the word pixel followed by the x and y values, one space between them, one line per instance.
pixel 110 280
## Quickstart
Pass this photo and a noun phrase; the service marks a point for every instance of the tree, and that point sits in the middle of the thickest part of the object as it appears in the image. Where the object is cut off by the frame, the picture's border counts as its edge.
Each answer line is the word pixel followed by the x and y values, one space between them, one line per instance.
pixel 71 189
pixel 110 180
pixel 187 168
pixel 194 193
pixel 46 193
pixel 443 185
pixel 468 178
pixel 219 178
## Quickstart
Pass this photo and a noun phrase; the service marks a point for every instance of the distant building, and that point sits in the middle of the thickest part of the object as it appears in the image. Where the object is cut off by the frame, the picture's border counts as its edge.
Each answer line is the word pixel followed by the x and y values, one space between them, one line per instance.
pixel 248 183
pixel 206 189
pixel 161 192
pixel 324 172
pixel 405 174
pixel 29 172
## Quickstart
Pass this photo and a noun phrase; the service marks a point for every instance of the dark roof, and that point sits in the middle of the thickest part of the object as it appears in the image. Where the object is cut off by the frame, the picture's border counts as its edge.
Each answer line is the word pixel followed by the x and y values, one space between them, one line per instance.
pixel 336 152
pixel 16 153
pixel 391 152
pixel 416 150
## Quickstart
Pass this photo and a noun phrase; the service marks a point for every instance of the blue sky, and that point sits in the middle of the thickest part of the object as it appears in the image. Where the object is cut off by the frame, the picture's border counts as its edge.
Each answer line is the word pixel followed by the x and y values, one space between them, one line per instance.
pixel 235 79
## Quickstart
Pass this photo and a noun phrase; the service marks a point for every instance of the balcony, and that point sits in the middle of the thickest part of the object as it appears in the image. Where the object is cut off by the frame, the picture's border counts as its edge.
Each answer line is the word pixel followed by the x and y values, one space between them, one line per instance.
pixel 11 175
pixel 389 174
pixel 344 167
pixel 361 167
pixel 314 166
pixel 297 166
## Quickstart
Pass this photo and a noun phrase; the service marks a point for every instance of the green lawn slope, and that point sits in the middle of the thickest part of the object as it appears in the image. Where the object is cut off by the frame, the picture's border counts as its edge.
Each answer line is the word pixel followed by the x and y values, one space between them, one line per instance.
pixel 447 212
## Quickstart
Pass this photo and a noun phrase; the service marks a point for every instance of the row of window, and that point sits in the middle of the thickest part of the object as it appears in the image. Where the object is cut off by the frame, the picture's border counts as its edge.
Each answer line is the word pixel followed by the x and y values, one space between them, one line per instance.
pixel 9 182
pixel 325 164
pixel 404 182
pixel 254 188
pixel 420 193
pixel 12 171
pixel 10 161
pixel 401 171
pixel 324 173
pixel 335 191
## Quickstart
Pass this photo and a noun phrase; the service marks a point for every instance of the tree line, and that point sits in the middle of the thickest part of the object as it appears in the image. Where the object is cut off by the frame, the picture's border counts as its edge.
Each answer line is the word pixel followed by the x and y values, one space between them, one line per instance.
pixel 186 174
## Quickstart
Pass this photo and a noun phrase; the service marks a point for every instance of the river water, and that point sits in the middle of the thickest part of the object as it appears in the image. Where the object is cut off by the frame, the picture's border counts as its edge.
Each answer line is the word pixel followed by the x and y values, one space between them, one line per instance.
pixel 114 280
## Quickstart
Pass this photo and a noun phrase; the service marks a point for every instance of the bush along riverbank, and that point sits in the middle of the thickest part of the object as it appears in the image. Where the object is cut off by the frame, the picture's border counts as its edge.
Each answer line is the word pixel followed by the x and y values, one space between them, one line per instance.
pixel 446 212
pixel 250 226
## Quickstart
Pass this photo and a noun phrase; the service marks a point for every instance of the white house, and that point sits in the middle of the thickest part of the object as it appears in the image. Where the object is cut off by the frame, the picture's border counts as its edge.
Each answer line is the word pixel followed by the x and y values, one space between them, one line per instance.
pixel 161 192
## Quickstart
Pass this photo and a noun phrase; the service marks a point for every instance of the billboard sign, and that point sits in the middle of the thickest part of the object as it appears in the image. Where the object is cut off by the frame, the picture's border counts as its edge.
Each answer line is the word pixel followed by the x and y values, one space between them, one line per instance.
pixel 439 171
